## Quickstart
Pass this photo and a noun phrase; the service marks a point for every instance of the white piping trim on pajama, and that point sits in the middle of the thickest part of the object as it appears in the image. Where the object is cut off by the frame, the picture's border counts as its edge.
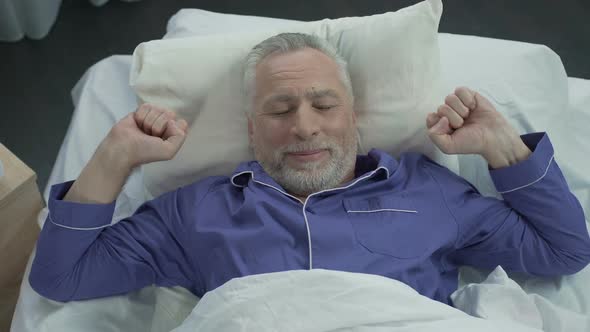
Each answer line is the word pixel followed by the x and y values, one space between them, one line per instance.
pixel 530 184
pixel 286 194
pixel 75 228
pixel 333 189
pixel 383 210
pixel 307 199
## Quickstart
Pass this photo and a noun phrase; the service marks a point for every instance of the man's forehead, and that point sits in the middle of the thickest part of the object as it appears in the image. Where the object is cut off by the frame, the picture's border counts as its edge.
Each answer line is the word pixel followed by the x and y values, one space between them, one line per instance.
pixel 306 64
pixel 305 73
pixel 290 93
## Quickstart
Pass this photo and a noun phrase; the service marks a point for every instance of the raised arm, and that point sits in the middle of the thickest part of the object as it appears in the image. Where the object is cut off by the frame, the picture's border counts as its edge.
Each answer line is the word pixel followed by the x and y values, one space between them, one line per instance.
pixel 147 135
pixel 540 226
pixel 79 253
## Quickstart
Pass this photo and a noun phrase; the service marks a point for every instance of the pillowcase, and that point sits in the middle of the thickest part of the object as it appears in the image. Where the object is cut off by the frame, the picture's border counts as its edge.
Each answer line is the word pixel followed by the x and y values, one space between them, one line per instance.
pixel 189 22
pixel 526 82
pixel 393 61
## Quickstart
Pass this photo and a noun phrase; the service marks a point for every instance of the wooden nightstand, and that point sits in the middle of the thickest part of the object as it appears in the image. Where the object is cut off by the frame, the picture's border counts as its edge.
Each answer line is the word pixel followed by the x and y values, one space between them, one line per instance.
pixel 20 202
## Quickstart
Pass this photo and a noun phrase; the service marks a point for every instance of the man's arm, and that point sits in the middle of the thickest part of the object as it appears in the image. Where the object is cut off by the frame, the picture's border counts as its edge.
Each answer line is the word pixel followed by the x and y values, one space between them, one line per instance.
pixel 148 135
pixel 538 229
pixel 79 255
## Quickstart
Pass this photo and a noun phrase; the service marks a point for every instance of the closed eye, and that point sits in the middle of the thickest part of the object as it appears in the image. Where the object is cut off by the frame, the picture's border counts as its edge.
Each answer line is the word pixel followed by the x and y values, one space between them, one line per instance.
pixel 281 112
pixel 324 107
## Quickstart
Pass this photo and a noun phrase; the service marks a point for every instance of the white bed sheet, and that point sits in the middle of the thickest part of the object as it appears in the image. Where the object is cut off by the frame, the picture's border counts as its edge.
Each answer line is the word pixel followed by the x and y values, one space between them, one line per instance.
pixel 363 303
pixel 103 96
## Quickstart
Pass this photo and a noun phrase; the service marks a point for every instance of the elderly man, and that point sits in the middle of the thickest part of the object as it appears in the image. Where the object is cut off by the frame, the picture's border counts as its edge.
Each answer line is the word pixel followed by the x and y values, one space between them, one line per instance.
pixel 309 201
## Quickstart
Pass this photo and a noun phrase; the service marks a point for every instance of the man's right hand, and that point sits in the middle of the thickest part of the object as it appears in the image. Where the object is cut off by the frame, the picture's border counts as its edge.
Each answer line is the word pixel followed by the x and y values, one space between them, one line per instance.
pixel 149 134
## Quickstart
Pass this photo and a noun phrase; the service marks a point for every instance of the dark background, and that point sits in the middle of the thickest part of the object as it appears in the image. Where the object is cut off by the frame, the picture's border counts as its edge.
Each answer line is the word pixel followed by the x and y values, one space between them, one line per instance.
pixel 37 75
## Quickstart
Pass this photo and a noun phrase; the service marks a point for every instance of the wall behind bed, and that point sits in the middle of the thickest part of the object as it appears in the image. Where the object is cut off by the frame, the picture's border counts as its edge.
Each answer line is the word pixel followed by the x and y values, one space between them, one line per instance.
pixel 37 76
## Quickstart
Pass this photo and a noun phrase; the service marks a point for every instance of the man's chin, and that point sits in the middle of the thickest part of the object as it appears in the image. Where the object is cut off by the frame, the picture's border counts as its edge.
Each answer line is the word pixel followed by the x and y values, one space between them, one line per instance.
pixel 308 167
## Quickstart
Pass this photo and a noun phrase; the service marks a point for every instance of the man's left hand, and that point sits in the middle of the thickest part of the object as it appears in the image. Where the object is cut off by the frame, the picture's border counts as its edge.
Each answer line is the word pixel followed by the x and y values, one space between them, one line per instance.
pixel 467 123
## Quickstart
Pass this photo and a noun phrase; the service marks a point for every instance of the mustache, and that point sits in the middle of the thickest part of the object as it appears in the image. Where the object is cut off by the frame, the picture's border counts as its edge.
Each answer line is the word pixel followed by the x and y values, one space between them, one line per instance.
pixel 307 146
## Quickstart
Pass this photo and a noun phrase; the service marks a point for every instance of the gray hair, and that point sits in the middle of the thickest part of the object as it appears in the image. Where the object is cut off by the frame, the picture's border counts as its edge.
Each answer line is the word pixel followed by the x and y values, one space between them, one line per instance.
pixel 284 43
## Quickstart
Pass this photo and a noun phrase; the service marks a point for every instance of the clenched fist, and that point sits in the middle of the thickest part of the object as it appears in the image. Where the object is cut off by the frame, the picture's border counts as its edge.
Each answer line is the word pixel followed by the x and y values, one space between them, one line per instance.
pixel 149 134
pixel 467 123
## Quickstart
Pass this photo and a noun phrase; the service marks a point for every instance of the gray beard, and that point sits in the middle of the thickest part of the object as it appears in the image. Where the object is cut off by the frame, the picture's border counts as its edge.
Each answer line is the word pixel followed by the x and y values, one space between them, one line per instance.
pixel 315 176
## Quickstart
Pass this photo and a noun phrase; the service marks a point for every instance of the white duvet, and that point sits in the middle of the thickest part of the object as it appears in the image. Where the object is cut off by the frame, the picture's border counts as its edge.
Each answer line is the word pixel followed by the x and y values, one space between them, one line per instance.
pixel 321 301
pixel 316 300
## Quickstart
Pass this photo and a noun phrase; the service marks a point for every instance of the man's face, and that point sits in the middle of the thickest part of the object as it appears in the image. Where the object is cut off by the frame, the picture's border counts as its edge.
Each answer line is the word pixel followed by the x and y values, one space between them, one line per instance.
pixel 303 128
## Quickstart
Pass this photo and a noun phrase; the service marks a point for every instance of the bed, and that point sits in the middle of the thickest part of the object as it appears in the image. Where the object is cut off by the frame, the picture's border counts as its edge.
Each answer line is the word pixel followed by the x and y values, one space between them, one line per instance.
pixel 550 101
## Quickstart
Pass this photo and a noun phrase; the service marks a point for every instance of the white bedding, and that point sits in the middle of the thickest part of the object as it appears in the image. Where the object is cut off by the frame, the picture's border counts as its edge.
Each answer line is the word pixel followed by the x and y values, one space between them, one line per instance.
pixel 321 301
pixel 103 96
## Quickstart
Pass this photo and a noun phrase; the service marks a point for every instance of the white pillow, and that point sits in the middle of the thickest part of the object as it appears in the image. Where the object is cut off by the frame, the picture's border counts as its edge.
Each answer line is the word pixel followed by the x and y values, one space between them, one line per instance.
pixel 393 61
pixel 526 82
pixel 189 22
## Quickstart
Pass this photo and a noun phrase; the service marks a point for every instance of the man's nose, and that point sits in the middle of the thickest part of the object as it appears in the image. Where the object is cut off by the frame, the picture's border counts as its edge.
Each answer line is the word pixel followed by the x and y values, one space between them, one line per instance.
pixel 307 122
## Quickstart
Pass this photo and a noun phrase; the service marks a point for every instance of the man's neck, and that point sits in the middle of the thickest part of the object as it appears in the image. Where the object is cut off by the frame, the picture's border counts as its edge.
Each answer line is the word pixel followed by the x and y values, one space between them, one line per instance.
pixel 348 178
